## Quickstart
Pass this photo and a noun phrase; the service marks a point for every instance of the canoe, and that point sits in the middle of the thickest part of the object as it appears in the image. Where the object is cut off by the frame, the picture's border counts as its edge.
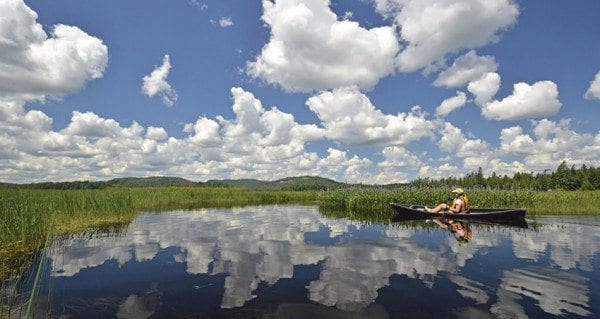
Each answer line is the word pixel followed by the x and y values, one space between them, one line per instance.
pixel 518 223
pixel 405 210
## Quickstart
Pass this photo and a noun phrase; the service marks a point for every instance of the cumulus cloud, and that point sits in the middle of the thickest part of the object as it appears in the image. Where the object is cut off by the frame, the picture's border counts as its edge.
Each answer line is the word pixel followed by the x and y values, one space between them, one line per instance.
pixel 349 117
pixel 593 91
pixel 256 143
pixel 450 104
pixel 397 156
pixel 526 101
pixel 225 22
pixel 310 49
pixel 35 66
pixel 551 143
pixel 485 88
pixel 156 83
pixel 398 166
pixel 156 133
pixel 443 171
pixel 466 68
pixel 548 144
pixel 431 29
pixel 453 141
pixel 266 143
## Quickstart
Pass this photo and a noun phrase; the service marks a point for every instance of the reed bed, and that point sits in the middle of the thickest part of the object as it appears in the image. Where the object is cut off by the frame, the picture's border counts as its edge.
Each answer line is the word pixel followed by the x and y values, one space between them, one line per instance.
pixel 376 203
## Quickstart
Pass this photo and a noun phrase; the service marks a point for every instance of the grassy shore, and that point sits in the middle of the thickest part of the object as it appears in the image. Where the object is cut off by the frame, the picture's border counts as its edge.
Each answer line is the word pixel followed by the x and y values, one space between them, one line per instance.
pixel 28 217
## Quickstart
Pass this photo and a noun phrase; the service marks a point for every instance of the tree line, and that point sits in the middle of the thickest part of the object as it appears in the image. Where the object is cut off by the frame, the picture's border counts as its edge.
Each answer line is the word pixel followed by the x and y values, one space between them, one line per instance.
pixel 563 178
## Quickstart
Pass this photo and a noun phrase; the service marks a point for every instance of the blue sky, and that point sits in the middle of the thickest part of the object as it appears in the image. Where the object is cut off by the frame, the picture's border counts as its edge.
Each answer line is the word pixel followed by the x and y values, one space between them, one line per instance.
pixel 368 91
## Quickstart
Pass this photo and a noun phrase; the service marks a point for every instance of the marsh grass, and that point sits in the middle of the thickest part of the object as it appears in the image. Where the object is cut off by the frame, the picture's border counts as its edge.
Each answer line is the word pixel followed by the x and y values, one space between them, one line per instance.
pixel 371 204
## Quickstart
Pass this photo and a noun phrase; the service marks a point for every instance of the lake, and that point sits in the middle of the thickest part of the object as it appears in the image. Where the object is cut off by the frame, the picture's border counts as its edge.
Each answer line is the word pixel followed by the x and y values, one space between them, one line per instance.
pixel 293 262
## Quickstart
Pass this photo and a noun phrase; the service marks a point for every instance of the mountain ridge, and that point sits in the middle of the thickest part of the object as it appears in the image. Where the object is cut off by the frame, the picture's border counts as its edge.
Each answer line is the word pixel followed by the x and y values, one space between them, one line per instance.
pixel 304 182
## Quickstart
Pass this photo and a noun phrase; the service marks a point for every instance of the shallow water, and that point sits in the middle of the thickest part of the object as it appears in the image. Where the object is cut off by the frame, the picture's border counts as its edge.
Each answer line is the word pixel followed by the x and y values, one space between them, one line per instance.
pixel 286 261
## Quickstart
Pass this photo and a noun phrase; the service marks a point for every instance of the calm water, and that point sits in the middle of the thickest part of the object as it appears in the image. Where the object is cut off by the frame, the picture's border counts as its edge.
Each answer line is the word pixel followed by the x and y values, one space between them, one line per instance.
pixel 289 261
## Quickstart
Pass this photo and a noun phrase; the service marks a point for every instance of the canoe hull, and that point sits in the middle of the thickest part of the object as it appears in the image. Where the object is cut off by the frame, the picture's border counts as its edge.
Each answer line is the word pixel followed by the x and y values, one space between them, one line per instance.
pixel 404 210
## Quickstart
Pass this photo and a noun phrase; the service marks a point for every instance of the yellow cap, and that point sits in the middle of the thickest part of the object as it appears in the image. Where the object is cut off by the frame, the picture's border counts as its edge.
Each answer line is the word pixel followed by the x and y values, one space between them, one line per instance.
pixel 458 191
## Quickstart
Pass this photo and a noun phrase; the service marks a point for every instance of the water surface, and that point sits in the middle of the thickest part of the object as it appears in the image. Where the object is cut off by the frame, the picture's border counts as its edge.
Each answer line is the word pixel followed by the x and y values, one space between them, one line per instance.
pixel 285 261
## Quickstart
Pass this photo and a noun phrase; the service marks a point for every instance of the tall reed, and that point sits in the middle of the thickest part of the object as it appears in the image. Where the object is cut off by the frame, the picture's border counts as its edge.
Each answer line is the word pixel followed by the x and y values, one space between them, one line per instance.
pixel 537 203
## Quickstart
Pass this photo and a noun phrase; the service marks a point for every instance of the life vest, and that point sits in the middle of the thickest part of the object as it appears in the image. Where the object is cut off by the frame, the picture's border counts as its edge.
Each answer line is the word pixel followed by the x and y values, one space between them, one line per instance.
pixel 465 202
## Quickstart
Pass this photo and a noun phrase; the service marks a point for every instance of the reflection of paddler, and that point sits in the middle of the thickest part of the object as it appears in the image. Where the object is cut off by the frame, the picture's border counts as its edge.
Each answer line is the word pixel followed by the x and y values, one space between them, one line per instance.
pixel 461 230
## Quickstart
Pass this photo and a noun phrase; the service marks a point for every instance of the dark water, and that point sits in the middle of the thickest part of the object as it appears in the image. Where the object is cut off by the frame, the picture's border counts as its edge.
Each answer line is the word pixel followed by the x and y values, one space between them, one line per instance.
pixel 291 262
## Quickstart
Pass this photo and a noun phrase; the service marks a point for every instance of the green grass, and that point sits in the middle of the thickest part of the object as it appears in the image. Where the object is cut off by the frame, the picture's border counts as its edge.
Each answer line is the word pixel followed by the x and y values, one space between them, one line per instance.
pixel 374 203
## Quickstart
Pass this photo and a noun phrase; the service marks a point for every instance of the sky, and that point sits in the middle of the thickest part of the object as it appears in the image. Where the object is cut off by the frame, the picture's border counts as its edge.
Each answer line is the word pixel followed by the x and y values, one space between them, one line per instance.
pixel 360 91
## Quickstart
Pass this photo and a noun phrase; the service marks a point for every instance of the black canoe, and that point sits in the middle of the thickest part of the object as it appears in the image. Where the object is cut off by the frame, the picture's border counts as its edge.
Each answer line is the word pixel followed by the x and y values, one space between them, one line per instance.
pixel 403 211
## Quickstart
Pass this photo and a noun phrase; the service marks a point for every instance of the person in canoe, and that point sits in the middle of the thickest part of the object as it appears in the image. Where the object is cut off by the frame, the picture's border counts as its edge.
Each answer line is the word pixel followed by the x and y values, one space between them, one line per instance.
pixel 460 203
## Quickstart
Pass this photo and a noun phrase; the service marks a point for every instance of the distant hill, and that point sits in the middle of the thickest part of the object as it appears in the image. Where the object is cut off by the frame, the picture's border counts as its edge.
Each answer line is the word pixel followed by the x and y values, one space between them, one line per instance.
pixel 288 183
pixel 243 183
pixel 152 181
pixel 308 183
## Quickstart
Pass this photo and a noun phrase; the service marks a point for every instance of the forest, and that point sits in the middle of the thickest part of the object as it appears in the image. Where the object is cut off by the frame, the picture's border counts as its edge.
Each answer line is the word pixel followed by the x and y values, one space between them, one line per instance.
pixel 563 178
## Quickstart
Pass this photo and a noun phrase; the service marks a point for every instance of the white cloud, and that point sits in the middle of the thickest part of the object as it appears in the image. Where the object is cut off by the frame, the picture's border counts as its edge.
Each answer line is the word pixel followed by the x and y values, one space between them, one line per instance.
pixel 526 101
pixel 432 29
pixel 548 144
pixel 489 165
pixel 270 144
pixel 398 165
pixel 34 66
pixel 204 132
pixel 225 22
pixel 485 88
pixel 466 68
pixel 593 91
pixel 156 83
pixel 310 49
pixel 443 171
pixel 514 141
pixel 349 117
pixel 454 142
pixel 551 143
pixel 91 125
pixel 397 156
pixel 156 133
pixel 450 104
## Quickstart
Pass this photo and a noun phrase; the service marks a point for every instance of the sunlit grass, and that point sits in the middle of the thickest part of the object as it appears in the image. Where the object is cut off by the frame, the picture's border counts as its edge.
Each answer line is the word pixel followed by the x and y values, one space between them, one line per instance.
pixel 373 203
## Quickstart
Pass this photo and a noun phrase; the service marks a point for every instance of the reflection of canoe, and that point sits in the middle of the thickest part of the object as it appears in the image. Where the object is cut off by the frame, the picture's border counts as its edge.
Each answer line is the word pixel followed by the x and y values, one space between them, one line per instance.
pixel 496 214
pixel 519 223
